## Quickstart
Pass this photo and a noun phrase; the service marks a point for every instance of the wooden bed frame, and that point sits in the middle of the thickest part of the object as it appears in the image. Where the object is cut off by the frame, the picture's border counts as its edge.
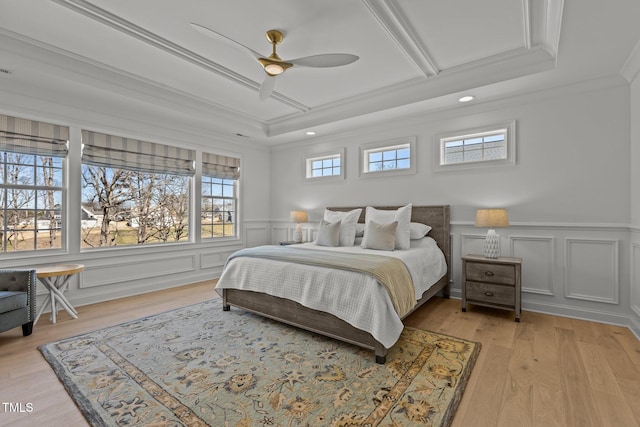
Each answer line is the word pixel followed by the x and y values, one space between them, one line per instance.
pixel 326 324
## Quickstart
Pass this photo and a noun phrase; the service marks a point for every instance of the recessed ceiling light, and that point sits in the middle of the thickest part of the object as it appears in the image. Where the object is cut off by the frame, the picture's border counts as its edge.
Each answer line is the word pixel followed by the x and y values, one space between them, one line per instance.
pixel 466 98
pixel 310 133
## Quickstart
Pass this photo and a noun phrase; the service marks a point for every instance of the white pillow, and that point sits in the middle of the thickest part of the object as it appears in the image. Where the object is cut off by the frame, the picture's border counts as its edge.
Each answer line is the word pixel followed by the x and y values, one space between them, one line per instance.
pixel 328 234
pixel 401 215
pixel 348 224
pixel 418 230
pixel 380 236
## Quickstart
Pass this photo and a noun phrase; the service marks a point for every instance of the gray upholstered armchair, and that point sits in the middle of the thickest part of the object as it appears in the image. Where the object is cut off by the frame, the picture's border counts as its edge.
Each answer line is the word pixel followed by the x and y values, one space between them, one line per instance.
pixel 17 300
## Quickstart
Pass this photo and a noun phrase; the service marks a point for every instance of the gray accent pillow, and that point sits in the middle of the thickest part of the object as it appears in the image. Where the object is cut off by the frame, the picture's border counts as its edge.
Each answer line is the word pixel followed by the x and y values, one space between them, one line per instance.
pixel 328 234
pixel 380 236
pixel 401 215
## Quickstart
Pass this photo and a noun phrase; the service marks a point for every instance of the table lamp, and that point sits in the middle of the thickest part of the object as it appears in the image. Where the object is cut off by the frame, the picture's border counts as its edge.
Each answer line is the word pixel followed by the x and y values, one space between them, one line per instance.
pixel 298 217
pixel 492 218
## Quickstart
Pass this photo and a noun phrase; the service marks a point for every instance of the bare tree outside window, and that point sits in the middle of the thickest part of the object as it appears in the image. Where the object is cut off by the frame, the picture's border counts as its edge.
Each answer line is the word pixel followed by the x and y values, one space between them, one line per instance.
pixel 31 195
pixel 134 207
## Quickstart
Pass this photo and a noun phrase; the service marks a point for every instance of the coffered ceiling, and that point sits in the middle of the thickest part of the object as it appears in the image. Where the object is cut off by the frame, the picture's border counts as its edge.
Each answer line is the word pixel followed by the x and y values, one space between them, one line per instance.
pixel 413 55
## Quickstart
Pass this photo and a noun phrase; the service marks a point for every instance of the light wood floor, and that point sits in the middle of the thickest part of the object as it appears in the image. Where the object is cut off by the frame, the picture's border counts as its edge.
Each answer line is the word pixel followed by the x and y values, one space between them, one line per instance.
pixel 543 371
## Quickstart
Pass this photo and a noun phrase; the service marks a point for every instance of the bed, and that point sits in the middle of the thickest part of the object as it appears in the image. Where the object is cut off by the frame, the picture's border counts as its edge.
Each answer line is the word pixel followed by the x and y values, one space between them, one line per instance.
pixel 238 288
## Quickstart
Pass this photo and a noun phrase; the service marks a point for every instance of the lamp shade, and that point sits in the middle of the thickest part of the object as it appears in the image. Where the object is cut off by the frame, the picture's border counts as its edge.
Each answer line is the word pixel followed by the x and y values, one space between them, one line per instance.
pixel 492 218
pixel 298 216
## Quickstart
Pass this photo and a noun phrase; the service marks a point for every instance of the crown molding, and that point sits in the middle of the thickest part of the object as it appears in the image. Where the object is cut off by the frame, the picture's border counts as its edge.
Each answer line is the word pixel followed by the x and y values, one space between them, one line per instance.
pixel 511 65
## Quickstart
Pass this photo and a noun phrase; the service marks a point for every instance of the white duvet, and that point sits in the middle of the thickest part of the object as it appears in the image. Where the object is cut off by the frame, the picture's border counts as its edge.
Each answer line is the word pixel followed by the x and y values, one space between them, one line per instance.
pixel 354 297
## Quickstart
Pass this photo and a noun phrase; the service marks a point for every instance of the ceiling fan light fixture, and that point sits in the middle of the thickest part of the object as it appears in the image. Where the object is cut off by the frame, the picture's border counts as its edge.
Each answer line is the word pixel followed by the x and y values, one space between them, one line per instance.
pixel 274 69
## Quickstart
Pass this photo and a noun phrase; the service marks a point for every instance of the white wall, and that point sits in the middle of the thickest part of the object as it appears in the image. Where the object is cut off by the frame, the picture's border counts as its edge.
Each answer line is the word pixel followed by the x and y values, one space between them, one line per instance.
pixel 568 196
pixel 115 273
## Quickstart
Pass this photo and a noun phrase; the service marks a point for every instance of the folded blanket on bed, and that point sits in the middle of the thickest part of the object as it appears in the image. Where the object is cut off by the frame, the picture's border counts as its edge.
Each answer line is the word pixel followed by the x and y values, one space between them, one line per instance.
pixel 391 272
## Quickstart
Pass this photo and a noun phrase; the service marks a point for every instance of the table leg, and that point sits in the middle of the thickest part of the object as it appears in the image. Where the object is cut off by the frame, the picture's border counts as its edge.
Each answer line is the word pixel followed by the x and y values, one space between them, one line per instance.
pixel 42 307
pixel 59 293
pixel 54 310
pixel 56 288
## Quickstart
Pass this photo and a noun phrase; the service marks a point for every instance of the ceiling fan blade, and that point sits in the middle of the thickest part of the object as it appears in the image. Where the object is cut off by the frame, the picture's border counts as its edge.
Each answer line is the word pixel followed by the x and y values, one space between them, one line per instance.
pixel 266 89
pixel 230 42
pixel 325 60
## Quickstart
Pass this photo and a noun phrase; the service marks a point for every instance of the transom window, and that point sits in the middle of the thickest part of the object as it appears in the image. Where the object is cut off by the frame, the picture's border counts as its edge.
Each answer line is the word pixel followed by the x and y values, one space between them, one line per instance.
pixel 479 147
pixel 475 148
pixel 388 157
pixel 328 166
pixel 324 166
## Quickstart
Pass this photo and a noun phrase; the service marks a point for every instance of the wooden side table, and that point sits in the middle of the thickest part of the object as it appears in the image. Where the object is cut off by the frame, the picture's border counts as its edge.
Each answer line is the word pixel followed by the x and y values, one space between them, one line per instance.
pixel 56 279
pixel 492 282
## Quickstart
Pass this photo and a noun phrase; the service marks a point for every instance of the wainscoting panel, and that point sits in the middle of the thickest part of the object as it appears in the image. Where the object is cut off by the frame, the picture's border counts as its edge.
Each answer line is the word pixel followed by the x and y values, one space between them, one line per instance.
pixel 210 260
pixel 635 278
pixel 473 244
pixel 256 235
pixel 118 272
pixel 537 270
pixel 592 270
pixel 279 234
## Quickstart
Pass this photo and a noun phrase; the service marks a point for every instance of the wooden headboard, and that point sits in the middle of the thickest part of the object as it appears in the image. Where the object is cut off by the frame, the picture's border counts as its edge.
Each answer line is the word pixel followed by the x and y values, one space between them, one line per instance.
pixel 436 216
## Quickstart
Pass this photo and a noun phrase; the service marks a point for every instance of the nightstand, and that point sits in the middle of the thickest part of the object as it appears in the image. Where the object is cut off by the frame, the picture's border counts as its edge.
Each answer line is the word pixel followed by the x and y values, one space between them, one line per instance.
pixel 492 282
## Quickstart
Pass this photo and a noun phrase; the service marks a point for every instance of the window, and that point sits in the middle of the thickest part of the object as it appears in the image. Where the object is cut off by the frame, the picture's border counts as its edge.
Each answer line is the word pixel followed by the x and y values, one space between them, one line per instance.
pixel 479 147
pixel 134 192
pixel 324 166
pixel 32 160
pixel 328 166
pixel 394 157
pixel 219 201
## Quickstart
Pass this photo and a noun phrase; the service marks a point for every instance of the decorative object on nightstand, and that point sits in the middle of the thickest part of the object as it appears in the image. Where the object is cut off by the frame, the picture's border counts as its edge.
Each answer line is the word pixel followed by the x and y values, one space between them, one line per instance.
pixel 298 217
pixel 492 218
pixel 492 282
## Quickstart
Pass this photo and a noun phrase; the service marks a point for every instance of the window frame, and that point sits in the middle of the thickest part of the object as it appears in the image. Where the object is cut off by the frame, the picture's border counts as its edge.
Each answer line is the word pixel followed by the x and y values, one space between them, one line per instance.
pixel 510 145
pixel 36 188
pixel 309 158
pixel 388 145
pixel 235 217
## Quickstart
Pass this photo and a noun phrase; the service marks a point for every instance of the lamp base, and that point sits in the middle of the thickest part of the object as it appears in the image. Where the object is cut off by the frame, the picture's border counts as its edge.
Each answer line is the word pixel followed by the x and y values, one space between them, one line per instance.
pixel 297 236
pixel 492 244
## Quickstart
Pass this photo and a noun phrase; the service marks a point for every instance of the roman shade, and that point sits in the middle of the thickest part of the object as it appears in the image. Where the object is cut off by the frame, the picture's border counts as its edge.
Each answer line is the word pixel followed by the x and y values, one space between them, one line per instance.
pixel 100 149
pixel 222 167
pixel 33 137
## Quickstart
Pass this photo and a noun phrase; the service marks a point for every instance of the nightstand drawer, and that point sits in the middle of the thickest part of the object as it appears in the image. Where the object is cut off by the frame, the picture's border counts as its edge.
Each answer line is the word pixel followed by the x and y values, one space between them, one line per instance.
pixel 494 273
pixel 491 294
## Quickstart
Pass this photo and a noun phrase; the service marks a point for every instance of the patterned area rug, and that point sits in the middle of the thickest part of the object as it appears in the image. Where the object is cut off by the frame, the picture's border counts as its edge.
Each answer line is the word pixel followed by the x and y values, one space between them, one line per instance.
pixel 200 366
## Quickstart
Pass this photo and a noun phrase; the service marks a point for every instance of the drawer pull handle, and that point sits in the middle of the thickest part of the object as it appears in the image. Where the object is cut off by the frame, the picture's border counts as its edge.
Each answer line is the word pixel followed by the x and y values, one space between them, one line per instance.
pixel 488 273
pixel 489 294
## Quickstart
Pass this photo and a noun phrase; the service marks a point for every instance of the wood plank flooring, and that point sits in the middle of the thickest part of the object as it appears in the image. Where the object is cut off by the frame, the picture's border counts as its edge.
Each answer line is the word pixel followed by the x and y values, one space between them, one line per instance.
pixel 544 371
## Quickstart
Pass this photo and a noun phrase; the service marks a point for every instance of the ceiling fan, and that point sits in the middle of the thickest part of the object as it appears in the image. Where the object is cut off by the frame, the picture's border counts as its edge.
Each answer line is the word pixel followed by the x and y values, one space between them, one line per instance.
pixel 273 65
